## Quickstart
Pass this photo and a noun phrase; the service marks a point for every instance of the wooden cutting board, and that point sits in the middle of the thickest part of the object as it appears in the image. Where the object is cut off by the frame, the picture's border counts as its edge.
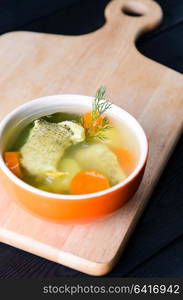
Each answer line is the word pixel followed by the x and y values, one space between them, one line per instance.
pixel 34 65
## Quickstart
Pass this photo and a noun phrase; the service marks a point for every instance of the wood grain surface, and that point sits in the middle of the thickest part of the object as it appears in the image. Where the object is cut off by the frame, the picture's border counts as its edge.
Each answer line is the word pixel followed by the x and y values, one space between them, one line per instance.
pixel 34 65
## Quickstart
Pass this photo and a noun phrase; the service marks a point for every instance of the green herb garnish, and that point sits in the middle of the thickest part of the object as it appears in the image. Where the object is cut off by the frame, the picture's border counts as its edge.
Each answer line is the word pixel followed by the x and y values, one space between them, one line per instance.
pixel 94 123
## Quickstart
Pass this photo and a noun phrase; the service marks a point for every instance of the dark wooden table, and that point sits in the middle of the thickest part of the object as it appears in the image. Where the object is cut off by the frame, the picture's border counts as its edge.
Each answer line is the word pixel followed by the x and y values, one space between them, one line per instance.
pixel 156 246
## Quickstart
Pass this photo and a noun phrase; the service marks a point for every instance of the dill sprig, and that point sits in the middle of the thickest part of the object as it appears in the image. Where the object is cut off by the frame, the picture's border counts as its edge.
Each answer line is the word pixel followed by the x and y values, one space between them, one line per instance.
pixel 99 104
pixel 96 129
pixel 100 133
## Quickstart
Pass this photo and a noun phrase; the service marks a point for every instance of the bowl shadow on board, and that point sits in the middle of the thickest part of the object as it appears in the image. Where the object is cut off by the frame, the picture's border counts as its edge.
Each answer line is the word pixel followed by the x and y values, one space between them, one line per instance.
pixel 85 16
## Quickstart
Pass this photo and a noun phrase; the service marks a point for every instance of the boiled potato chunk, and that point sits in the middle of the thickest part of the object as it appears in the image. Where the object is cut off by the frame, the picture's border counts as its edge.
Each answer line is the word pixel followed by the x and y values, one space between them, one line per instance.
pixel 100 158
pixel 70 168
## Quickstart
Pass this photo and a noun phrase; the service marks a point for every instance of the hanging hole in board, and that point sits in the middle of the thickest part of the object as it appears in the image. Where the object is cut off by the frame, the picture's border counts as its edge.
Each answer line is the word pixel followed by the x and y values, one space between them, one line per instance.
pixel 134 9
pixel 131 13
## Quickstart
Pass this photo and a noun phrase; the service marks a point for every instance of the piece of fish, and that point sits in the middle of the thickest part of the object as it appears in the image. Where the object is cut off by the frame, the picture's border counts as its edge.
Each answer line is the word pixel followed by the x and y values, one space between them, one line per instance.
pixel 46 144
pixel 100 158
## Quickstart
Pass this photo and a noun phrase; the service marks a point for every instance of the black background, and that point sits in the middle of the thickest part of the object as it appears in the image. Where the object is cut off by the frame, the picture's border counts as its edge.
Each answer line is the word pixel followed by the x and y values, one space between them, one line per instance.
pixel 156 246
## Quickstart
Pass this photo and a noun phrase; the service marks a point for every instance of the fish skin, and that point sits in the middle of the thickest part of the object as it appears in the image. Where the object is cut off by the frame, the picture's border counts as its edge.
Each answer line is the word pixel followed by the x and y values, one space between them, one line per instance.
pixel 46 145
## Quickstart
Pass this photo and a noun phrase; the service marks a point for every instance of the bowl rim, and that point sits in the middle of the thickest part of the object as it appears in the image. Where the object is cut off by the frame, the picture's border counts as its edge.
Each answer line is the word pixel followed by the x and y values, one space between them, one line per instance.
pixel 140 165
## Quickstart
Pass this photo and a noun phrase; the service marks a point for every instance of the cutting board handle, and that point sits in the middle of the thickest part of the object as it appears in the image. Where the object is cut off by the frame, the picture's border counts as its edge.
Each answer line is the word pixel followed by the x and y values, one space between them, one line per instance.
pixel 140 15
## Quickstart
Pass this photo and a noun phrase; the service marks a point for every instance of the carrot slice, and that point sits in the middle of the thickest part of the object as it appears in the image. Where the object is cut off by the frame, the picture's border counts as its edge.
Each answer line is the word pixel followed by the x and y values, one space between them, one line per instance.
pixel 89 181
pixel 87 121
pixel 12 160
pixel 125 158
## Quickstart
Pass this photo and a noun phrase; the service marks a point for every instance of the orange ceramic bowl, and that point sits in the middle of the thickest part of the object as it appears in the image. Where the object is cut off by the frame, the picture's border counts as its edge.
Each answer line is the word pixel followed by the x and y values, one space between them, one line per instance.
pixel 60 207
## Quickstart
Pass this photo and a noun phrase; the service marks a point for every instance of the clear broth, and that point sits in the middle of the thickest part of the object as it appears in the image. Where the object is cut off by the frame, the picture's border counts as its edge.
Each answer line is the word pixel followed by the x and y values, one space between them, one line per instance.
pixel 119 136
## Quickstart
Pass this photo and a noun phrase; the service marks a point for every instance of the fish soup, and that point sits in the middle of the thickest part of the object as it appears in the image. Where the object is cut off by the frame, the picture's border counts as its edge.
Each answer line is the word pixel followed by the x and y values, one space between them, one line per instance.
pixel 74 154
